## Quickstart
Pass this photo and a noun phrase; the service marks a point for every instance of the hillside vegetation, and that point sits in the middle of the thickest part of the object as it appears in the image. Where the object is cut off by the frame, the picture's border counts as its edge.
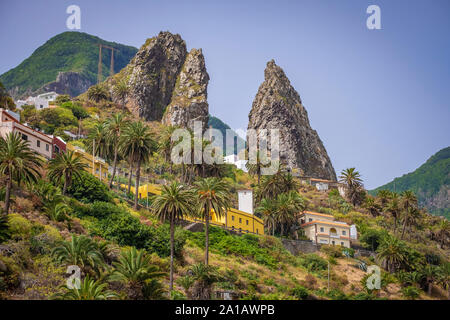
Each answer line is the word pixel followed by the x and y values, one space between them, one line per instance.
pixel 68 51
pixel 431 183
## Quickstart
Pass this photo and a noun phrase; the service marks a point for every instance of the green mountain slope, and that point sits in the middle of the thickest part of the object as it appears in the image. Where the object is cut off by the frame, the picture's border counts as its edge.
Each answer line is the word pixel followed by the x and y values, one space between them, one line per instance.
pixel 431 182
pixel 218 124
pixel 68 51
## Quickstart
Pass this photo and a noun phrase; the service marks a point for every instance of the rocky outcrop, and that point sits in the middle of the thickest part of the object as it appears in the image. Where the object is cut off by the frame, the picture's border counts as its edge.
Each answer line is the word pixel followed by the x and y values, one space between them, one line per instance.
pixel 71 83
pixel 166 82
pixel 189 99
pixel 278 106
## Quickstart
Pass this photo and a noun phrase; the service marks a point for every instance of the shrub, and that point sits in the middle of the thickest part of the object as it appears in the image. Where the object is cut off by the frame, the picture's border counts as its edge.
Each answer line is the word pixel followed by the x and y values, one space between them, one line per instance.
pixel 23 204
pixel 372 238
pixel 88 189
pixel 332 251
pixel 411 292
pixel 313 262
pixel 19 227
pixel 100 209
pixel 300 292
pixel 310 281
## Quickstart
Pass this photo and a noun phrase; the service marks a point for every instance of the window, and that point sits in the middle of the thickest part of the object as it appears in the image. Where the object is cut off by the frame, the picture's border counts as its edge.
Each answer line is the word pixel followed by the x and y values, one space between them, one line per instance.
pixel 46 147
pixel 342 243
pixel 321 229
pixel 246 222
pixel 343 232
pixel 38 143
pixel 310 219
pixel 24 137
pixel 41 106
pixel 240 220
pixel 333 242
pixel 232 218
pixel 257 232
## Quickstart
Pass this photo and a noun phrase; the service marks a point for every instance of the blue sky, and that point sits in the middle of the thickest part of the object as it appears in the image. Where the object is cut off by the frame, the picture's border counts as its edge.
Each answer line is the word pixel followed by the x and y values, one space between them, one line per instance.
pixel 379 99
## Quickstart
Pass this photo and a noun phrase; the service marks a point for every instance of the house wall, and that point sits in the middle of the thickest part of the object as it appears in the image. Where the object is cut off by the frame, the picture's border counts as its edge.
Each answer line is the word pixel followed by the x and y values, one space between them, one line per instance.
pixel 99 166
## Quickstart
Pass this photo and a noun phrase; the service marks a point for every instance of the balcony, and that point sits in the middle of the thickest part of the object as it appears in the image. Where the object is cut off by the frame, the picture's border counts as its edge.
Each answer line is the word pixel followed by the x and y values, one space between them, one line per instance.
pixel 334 235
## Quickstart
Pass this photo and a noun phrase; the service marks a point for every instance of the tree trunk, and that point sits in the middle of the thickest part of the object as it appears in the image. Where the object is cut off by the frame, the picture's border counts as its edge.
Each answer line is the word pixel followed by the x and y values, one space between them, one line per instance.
pixel 66 178
pixel 136 192
pixel 172 251
pixel 7 194
pixel 404 228
pixel 114 166
pixel 207 213
pixel 130 175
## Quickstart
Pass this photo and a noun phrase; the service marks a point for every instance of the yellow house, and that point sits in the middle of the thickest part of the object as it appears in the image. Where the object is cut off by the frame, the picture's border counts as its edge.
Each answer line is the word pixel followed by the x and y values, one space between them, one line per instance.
pixel 321 228
pixel 235 220
pixel 98 167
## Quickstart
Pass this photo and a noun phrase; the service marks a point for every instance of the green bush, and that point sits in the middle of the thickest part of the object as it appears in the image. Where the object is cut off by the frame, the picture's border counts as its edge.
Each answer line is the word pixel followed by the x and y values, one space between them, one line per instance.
pixel 372 238
pixel 101 209
pixel 332 251
pixel 411 292
pixel 313 262
pixel 19 227
pixel 127 230
pixel 88 189
pixel 300 292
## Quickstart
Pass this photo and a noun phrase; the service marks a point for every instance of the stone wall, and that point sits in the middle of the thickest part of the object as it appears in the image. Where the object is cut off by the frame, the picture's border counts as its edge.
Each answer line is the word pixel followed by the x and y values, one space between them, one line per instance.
pixel 296 246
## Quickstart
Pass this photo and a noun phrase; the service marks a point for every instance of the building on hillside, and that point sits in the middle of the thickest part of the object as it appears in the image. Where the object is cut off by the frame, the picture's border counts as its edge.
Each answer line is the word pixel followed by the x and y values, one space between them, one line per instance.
pixel 240 220
pixel 96 166
pixel 323 229
pixel 47 146
pixel 324 185
pixel 39 102
pixel 234 160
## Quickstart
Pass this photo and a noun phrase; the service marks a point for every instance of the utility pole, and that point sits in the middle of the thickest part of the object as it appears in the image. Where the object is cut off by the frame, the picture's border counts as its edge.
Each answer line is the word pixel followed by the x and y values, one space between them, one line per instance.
pixel 93 157
pixel 328 275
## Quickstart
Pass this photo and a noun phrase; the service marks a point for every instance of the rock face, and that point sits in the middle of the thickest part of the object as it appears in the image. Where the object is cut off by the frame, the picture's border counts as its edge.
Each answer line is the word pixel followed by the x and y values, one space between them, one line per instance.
pixel 71 83
pixel 166 82
pixel 278 106
pixel 189 99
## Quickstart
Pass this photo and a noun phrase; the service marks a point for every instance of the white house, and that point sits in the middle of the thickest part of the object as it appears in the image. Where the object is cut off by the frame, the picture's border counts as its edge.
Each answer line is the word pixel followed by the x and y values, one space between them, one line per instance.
pixel 39 102
pixel 234 160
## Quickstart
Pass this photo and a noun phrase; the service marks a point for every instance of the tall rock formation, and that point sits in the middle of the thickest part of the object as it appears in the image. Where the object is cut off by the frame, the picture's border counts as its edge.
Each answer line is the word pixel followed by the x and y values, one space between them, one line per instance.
pixel 278 106
pixel 166 82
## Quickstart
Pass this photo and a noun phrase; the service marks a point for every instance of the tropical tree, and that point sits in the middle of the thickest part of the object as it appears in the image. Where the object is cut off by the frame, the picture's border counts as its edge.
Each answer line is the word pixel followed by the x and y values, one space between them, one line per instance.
pixel 212 194
pixel 372 206
pixel 115 126
pixel 204 276
pixel 97 140
pixel 134 269
pixel 287 205
pixel 58 211
pixel 392 253
pixel 384 196
pixel 120 90
pixel 409 216
pixel 443 231
pixel 186 283
pixel 80 251
pixel 174 203
pixel 393 207
pixel 431 274
pixel 353 183
pixel 64 167
pixel 267 210
pixel 89 290
pixel 17 162
pixel 137 143
pixel 255 168
pixel 97 93
pixel 165 144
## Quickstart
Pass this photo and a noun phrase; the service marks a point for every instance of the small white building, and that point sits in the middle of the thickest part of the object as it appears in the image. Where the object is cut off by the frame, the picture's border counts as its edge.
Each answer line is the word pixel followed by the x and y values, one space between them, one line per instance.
pixel 234 160
pixel 39 102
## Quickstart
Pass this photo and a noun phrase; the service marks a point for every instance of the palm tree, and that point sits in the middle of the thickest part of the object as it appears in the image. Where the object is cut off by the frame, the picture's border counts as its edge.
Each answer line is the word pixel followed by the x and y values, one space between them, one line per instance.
pixel 80 251
pixel 17 161
pixel 393 207
pixel 408 199
pixel 286 206
pixel 353 182
pixel 372 206
pixel 89 290
pixel 174 203
pixel 58 211
pixel 443 231
pixel 134 269
pixel 256 168
pixel 267 209
pixel 137 143
pixel 121 90
pixel 166 144
pixel 392 253
pixel 431 274
pixel 186 283
pixel 409 216
pixel 212 194
pixel 384 196
pixel 114 126
pixel 97 93
pixel 64 167
pixel 205 276
pixel 98 142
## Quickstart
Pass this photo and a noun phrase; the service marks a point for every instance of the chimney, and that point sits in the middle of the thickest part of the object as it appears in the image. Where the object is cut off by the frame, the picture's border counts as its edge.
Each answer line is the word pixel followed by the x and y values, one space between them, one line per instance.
pixel 245 198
